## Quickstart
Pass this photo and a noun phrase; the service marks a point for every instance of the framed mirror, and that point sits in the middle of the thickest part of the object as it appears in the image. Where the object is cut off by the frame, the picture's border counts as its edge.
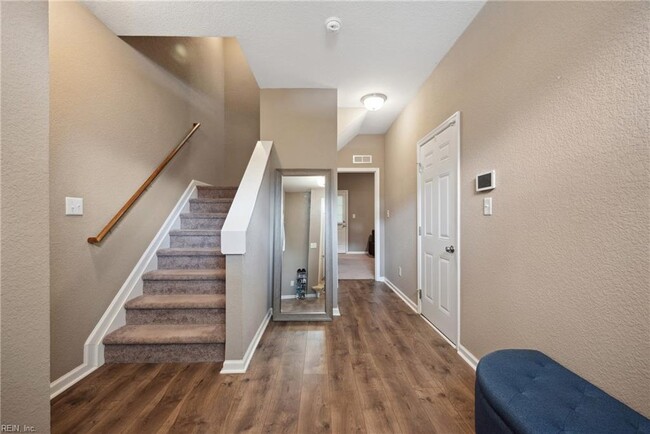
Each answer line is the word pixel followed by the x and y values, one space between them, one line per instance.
pixel 302 275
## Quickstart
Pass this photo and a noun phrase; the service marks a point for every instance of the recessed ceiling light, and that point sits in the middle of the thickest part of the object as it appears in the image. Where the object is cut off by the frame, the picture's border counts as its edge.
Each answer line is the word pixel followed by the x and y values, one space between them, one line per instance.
pixel 333 24
pixel 373 101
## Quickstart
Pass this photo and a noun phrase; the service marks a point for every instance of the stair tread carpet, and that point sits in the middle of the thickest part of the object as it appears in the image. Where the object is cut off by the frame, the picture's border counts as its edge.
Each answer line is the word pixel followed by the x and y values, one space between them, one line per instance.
pixel 196 232
pixel 167 334
pixel 182 274
pixel 178 301
pixel 191 251
pixel 180 317
pixel 204 215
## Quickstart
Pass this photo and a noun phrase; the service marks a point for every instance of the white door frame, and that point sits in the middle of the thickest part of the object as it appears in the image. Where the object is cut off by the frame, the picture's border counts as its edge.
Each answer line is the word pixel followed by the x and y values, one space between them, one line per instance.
pixel 345 219
pixel 378 245
pixel 440 128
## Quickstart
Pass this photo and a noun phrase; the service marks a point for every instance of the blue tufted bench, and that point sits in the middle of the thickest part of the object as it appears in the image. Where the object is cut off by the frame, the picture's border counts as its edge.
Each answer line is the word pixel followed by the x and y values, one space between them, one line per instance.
pixel 525 391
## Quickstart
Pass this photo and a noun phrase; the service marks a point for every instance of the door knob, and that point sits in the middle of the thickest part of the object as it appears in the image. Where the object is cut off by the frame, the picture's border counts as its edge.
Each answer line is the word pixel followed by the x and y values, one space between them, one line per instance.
pixel 450 249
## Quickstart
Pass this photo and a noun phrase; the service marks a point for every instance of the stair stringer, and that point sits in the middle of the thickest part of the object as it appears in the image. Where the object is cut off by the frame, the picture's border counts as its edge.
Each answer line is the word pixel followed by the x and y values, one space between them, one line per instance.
pixel 115 315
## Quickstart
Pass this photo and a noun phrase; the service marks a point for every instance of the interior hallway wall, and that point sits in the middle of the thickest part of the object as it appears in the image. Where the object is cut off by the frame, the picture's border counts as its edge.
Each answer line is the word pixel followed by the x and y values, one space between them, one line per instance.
pixel 303 125
pixel 361 208
pixel 24 220
pixel 242 112
pixel 118 106
pixel 554 97
pixel 370 144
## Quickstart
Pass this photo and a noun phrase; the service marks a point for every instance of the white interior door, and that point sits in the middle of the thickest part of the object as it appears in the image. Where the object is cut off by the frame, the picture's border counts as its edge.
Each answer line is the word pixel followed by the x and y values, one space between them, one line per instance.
pixel 342 220
pixel 438 155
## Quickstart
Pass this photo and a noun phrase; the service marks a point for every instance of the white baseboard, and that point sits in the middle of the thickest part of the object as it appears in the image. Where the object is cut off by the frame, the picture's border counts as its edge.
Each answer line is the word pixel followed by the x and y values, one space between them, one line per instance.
pixel 336 312
pixel 355 253
pixel 67 380
pixel 470 358
pixel 293 296
pixel 240 366
pixel 381 279
pixel 401 295
pixel 115 317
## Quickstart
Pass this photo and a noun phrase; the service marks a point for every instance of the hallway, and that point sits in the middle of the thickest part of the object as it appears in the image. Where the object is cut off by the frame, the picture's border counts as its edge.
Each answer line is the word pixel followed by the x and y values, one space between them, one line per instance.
pixel 379 368
pixel 356 267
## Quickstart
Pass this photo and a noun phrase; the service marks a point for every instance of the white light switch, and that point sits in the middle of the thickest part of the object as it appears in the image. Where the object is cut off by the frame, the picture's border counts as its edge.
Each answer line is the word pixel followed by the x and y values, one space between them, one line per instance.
pixel 387 213
pixel 313 245
pixel 354 216
pixel 291 283
pixel 487 206
pixel 74 206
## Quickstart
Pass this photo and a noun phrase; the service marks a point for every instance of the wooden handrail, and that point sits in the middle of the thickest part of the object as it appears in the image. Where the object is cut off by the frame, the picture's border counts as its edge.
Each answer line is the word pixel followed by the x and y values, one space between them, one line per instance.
pixel 129 203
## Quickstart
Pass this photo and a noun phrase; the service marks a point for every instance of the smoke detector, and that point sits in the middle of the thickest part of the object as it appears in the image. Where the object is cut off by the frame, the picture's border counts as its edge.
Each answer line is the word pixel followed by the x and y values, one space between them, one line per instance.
pixel 333 24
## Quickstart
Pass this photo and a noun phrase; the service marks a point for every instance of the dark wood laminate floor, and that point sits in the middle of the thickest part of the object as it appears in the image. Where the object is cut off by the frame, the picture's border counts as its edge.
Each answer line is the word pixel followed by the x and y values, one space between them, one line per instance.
pixel 379 368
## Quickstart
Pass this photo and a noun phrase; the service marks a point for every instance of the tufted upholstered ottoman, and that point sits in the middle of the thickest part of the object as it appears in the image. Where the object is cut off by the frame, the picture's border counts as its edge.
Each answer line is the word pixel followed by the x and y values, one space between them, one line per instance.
pixel 525 391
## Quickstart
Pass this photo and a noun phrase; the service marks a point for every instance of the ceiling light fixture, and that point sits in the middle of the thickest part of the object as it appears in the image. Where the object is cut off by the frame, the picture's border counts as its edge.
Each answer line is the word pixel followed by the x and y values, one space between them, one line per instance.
pixel 333 24
pixel 373 101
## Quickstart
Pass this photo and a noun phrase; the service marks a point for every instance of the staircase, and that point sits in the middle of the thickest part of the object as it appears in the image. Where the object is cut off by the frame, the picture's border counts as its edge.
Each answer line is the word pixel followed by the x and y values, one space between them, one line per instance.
pixel 181 316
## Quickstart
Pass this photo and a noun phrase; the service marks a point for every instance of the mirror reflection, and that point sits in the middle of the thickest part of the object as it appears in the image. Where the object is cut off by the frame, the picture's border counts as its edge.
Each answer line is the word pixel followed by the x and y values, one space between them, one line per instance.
pixel 303 240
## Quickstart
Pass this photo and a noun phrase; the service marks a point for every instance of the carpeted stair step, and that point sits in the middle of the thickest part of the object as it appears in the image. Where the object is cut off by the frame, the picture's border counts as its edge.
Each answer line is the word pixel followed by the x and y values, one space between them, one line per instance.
pixel 176 309
pixel 211 221
pixel 184 282
pixel 194 238
pixel 191 258
pixel 210 205
pixel 205 192
pixel 165 343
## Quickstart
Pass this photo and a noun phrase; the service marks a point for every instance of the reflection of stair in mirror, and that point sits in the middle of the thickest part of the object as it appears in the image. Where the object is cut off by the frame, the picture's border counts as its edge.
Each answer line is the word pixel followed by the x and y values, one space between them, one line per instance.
pixel 319 289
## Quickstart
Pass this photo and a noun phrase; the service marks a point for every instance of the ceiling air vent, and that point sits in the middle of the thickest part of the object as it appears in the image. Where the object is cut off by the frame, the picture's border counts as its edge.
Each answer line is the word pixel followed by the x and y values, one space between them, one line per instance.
pixel 361 159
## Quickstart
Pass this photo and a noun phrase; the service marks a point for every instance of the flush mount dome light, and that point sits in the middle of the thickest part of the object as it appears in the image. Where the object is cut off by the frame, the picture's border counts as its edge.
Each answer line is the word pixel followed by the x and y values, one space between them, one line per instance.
pixel 373 101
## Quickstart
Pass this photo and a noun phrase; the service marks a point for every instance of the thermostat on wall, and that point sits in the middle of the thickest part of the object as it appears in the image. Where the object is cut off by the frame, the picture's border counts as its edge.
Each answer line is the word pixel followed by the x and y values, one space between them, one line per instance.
pixel 486 181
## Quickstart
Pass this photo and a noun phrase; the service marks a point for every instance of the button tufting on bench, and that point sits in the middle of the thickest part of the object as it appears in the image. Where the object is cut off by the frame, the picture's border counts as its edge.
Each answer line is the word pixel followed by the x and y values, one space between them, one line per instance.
pixel 525 391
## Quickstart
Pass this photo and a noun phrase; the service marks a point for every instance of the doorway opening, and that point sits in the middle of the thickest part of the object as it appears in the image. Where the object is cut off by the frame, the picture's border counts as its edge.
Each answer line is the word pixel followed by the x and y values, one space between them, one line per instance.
pixel 359 245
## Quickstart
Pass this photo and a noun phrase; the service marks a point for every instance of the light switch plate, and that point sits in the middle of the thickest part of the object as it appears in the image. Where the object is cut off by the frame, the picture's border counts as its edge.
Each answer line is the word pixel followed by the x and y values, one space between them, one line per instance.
pixel 313 245
pixel 74 206
pixel 487 206
pixel 354 216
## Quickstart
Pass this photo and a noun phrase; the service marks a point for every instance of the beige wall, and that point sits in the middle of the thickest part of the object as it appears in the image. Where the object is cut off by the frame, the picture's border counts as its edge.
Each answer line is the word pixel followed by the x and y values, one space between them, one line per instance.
pixel 249 294
pixel 24 228
pixel 370 144
pixel 302 125
pixel 242 117
pixel 361 208
pixel 554 97
pixel 117 109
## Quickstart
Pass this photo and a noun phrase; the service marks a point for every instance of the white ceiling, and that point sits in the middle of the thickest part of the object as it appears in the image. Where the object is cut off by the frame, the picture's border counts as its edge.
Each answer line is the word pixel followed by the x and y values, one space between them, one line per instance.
pixel 387 47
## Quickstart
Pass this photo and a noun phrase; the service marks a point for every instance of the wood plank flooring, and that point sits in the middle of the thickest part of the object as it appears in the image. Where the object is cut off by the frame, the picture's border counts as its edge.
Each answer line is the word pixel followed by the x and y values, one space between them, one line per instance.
pixel 379 368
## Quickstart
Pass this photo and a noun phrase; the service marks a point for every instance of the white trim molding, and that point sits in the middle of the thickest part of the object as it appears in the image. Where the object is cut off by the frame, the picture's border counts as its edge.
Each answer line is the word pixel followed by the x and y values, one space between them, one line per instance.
pixel 65 381
pixel 115 317
pixel 233 232
pixel 470 358
pixel 241 365
pixel 410 303
pixel 336 311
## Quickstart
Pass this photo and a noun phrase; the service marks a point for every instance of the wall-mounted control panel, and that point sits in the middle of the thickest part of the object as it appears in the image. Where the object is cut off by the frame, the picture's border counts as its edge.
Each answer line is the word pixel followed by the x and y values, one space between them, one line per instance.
pixel 486 181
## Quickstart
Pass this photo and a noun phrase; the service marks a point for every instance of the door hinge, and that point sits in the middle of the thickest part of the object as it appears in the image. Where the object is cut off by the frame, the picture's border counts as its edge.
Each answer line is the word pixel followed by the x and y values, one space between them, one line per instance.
pixel 419 167
pixel 419 231
pixel 419 294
